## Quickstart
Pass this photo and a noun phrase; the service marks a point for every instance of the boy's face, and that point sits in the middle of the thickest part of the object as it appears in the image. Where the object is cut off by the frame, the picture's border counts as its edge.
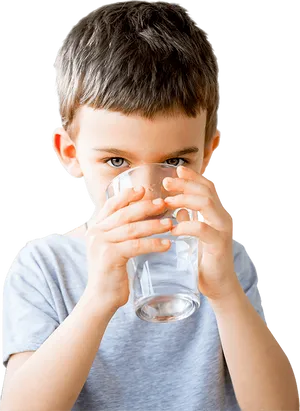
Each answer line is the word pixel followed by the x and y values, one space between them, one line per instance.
pixel 144 141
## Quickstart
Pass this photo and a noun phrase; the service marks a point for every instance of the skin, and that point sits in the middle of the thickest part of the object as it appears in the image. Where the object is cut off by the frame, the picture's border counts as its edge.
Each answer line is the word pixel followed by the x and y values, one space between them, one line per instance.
pixel 102 128
pixel 260 371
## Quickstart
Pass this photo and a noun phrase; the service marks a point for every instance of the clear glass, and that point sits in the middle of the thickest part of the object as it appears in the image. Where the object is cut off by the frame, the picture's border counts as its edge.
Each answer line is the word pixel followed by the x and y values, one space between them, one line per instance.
pixel 163 285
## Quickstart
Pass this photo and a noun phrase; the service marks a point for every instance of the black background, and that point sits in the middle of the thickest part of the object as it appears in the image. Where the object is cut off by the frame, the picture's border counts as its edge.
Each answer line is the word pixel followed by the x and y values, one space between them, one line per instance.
pixel 258 118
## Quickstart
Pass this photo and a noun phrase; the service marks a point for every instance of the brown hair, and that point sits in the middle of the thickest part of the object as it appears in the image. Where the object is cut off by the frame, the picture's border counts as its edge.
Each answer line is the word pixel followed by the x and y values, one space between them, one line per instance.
pixel 138 57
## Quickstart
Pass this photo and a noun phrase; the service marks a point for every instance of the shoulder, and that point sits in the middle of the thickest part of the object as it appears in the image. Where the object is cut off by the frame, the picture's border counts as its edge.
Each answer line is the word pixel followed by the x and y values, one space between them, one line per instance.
pixel 244 266
pixel 238 248
pixel 45 241
pixel 47 255
pixel 49 269
pixel 55 243
pixel 240 254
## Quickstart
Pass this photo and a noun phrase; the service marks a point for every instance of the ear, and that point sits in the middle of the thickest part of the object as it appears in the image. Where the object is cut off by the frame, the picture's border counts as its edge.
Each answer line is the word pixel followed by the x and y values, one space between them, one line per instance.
pixel 66 152
pixel 210 149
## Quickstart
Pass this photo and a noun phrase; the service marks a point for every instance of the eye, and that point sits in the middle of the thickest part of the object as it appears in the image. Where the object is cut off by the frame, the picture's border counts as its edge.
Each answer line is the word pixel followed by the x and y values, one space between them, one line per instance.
pixel 179 158
pixel 117 162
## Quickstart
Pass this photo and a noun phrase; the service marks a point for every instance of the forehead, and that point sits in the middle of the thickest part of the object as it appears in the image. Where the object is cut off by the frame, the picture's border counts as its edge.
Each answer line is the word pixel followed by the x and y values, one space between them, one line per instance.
pixel 114 128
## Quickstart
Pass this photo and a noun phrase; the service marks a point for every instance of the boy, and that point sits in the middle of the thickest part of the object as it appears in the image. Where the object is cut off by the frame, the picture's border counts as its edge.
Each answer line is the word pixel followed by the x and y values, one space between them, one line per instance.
pixel 137 83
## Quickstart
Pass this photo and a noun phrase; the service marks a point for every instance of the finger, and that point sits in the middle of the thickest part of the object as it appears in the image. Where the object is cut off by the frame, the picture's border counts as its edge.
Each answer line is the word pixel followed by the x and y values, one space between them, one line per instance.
pixel 212 215
pixel 204 232
pixel 133 212
pixel 138 246
pixel 138 229
pixel 119 201
pixel 186 186
pixel 190 174
pixel 182 215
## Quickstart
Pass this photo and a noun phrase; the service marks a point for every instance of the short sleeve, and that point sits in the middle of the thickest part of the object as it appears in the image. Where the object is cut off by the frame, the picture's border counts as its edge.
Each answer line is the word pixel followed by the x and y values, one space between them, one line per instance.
pixel 29 316
pixel 248 279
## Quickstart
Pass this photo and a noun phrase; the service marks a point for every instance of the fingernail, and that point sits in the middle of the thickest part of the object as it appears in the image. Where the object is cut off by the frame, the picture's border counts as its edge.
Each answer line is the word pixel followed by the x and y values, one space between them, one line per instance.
pixel 165 221
pixel 137 189
pixel 169 199
pixel 157 201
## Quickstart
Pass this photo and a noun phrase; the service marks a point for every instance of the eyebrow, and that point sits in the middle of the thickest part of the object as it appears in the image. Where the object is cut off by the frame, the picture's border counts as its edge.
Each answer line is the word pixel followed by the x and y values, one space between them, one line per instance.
pixel 186 150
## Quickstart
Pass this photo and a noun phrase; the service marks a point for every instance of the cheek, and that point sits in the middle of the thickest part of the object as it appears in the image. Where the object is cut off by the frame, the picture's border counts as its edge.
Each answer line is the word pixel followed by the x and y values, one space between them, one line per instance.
pixel 96 180
pixel 96 186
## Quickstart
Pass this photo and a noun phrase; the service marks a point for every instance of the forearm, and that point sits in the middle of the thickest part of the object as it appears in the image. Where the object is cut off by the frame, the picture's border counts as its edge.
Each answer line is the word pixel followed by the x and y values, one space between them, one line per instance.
pixel 52 378
pixel 260 371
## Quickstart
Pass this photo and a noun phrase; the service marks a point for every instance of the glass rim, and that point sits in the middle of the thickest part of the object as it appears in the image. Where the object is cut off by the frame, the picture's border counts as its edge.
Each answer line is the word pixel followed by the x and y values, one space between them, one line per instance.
pixel 125 173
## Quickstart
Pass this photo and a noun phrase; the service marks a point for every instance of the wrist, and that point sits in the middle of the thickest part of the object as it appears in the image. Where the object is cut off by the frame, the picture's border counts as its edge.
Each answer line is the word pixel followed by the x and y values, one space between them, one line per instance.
pixel 231 293
pixel 96 305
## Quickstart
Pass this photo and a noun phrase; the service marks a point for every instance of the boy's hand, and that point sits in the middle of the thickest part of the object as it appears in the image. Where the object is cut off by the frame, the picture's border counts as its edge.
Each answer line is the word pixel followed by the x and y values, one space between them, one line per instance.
pixel 114 238
pixel 217 277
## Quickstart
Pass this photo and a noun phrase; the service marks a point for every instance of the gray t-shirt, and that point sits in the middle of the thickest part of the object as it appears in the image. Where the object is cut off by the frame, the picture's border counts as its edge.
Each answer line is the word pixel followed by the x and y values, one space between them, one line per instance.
pixel 139 366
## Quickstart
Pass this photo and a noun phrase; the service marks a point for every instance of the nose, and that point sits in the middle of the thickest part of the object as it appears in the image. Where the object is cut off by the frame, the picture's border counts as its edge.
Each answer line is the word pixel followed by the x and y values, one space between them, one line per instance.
pixel 151 178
